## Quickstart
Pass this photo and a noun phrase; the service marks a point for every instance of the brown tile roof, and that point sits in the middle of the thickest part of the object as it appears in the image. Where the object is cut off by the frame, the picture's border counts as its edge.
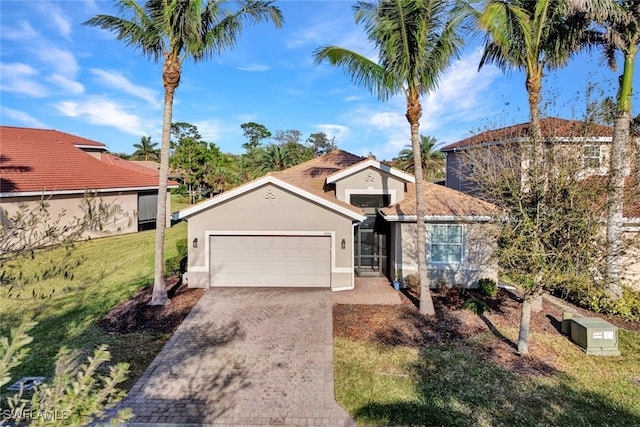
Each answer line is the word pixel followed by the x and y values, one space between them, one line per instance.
pixel 551 127
pixel 35 160
pixel 441 201
pixel 310 175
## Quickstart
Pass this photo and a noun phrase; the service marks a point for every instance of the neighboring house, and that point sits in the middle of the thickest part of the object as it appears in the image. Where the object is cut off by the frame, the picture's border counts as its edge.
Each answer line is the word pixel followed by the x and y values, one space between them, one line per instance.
pixel 325 221
pixel 37 164
pixel 589 143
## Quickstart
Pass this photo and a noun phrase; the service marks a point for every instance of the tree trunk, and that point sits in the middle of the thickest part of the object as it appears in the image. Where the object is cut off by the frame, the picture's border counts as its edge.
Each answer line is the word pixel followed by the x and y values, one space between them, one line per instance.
pixel 414 111
pixel 617 169
pixel 525 319
pixel 615 204
pixel 171 67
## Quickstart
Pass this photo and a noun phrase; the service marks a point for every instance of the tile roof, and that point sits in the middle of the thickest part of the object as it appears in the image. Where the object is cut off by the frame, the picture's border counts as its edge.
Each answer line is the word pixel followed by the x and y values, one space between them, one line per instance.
pixel 37 160
pixel 311 175
pixel 551 127
pixel 441 201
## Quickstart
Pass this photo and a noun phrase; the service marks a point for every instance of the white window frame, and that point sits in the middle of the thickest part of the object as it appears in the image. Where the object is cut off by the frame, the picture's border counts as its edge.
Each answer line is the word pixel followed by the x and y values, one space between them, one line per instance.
pixel 589 156
pixel 432 244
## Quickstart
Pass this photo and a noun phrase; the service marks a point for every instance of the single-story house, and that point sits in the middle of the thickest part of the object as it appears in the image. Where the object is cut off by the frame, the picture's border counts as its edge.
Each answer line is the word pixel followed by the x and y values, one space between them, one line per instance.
pixel 324 222
pixel 60 168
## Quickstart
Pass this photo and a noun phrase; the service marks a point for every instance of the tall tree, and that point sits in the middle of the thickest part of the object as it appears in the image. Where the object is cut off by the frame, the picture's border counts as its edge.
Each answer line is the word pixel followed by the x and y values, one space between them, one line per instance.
pixel 533 36
pixel 255 133
pixel 622 35
pixel 189 158
pixel 432 159
pixel 146 150
pixel 172 31
pixel 321 144
pixel 415 40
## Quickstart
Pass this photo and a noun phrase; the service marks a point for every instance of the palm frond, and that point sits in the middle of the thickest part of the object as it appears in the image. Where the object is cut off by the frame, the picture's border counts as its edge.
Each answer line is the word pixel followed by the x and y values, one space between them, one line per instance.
pixel 362 71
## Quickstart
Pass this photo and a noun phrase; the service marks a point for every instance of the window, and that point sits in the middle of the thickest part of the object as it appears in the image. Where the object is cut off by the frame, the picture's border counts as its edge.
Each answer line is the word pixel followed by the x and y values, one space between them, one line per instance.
pixel 446 243
pixel 591 156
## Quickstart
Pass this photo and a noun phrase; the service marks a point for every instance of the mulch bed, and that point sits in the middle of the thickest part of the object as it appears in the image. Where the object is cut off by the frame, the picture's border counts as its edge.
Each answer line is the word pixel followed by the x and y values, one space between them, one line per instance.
pixel 136 315
pixel 397 325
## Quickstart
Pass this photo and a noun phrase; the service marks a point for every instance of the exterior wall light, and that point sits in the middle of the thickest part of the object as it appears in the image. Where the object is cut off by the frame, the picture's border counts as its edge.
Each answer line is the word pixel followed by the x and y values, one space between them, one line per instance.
pixel 343 244
pixel 195 242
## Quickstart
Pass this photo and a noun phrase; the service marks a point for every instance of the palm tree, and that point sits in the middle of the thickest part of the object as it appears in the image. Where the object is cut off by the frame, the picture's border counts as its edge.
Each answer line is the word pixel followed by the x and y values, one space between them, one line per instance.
pixel 146 149
pixel 172 31
pixel 533 36
pixel 416 40
pixel 622 34
pixel 432 160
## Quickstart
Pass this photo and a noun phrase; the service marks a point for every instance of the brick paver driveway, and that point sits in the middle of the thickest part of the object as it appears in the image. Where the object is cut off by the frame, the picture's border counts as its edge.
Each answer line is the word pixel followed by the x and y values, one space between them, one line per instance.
pixel 245 357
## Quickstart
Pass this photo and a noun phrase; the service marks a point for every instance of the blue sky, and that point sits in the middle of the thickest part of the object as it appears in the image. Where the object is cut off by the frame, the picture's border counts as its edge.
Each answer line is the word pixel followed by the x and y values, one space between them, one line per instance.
pixel 58 74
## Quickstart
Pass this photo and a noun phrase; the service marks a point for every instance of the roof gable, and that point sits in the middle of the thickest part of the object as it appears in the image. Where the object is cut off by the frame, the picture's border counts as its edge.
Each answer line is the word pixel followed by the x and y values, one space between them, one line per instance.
pixel 335 205
pixel 552 127
pixel 369 163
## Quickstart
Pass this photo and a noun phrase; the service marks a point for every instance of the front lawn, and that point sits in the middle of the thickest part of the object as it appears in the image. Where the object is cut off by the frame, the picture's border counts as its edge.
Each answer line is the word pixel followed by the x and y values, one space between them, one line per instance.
pixel 389 373
pixel 109 270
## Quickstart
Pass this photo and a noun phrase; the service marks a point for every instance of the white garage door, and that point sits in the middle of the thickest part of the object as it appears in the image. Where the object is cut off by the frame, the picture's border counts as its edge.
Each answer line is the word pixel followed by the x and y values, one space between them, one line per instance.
pixel 258 260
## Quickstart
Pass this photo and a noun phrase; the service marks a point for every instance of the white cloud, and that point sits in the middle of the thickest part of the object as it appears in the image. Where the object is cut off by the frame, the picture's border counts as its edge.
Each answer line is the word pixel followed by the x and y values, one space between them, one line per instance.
pixel 60 61
pixel 332 130
pixel 68 85
pixel 23 33
pixel 100 111
pixel 210 130
pixel 21 117
pixel 61 21
pixel 255 68
pixel 116 80
pixel 21 78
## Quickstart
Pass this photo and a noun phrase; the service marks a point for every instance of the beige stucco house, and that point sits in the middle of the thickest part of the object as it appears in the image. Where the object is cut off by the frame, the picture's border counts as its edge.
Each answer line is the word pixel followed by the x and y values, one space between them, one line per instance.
pixel 328 220
pixel 62 169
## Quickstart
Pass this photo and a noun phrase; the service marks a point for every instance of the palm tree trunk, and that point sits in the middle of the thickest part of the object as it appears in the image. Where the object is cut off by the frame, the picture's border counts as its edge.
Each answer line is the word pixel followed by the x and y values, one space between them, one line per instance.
pixel 159 296
pixel 414 111
pixel 617 169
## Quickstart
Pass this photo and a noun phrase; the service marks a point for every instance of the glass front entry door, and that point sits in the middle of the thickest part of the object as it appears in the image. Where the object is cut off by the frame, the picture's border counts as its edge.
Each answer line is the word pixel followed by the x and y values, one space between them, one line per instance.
pixel 371 236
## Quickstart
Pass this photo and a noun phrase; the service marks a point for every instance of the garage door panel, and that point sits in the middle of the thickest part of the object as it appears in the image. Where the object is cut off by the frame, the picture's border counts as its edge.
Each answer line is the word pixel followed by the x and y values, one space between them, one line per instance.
pixel 260 260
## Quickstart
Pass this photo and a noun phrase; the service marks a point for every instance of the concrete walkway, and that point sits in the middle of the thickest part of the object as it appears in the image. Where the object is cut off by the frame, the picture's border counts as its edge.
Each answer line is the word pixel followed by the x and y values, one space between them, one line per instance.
pixel 245 357
pixel 369 291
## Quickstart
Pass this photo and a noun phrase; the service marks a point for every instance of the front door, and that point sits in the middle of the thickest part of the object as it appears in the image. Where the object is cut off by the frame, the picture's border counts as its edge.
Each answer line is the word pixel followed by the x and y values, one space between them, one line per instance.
pixel 371 236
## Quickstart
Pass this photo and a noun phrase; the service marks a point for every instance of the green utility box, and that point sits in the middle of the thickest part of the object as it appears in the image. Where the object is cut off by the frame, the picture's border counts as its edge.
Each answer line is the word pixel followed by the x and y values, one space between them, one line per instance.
pixel 595 336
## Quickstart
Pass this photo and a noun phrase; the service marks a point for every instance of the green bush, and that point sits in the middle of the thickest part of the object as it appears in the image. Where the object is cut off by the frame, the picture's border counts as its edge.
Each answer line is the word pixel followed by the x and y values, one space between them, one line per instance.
pixel 475 306
pixel 172 266
pixel 592 296
pixel 488 287
pixel 181 246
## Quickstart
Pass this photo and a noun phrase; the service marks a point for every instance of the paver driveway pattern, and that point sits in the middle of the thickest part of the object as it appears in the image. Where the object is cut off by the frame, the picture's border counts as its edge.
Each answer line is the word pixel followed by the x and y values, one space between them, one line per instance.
pixel 245 357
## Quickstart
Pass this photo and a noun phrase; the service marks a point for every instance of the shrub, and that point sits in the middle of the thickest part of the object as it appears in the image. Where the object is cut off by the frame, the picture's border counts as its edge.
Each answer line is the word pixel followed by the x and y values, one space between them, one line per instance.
pixel 182 247
pixel 475 306
pixel 488 287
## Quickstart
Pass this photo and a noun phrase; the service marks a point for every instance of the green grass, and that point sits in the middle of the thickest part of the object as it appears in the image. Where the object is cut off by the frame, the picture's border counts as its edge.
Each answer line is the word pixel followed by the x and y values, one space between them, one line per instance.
pixel 179 202
pixel 110 270
pixel 454 385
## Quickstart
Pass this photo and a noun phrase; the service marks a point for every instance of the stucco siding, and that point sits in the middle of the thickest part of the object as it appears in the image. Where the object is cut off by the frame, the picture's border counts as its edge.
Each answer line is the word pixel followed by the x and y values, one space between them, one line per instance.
pixel 479 241
pixel 270 209
pixel 71 206
pixel 370 181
